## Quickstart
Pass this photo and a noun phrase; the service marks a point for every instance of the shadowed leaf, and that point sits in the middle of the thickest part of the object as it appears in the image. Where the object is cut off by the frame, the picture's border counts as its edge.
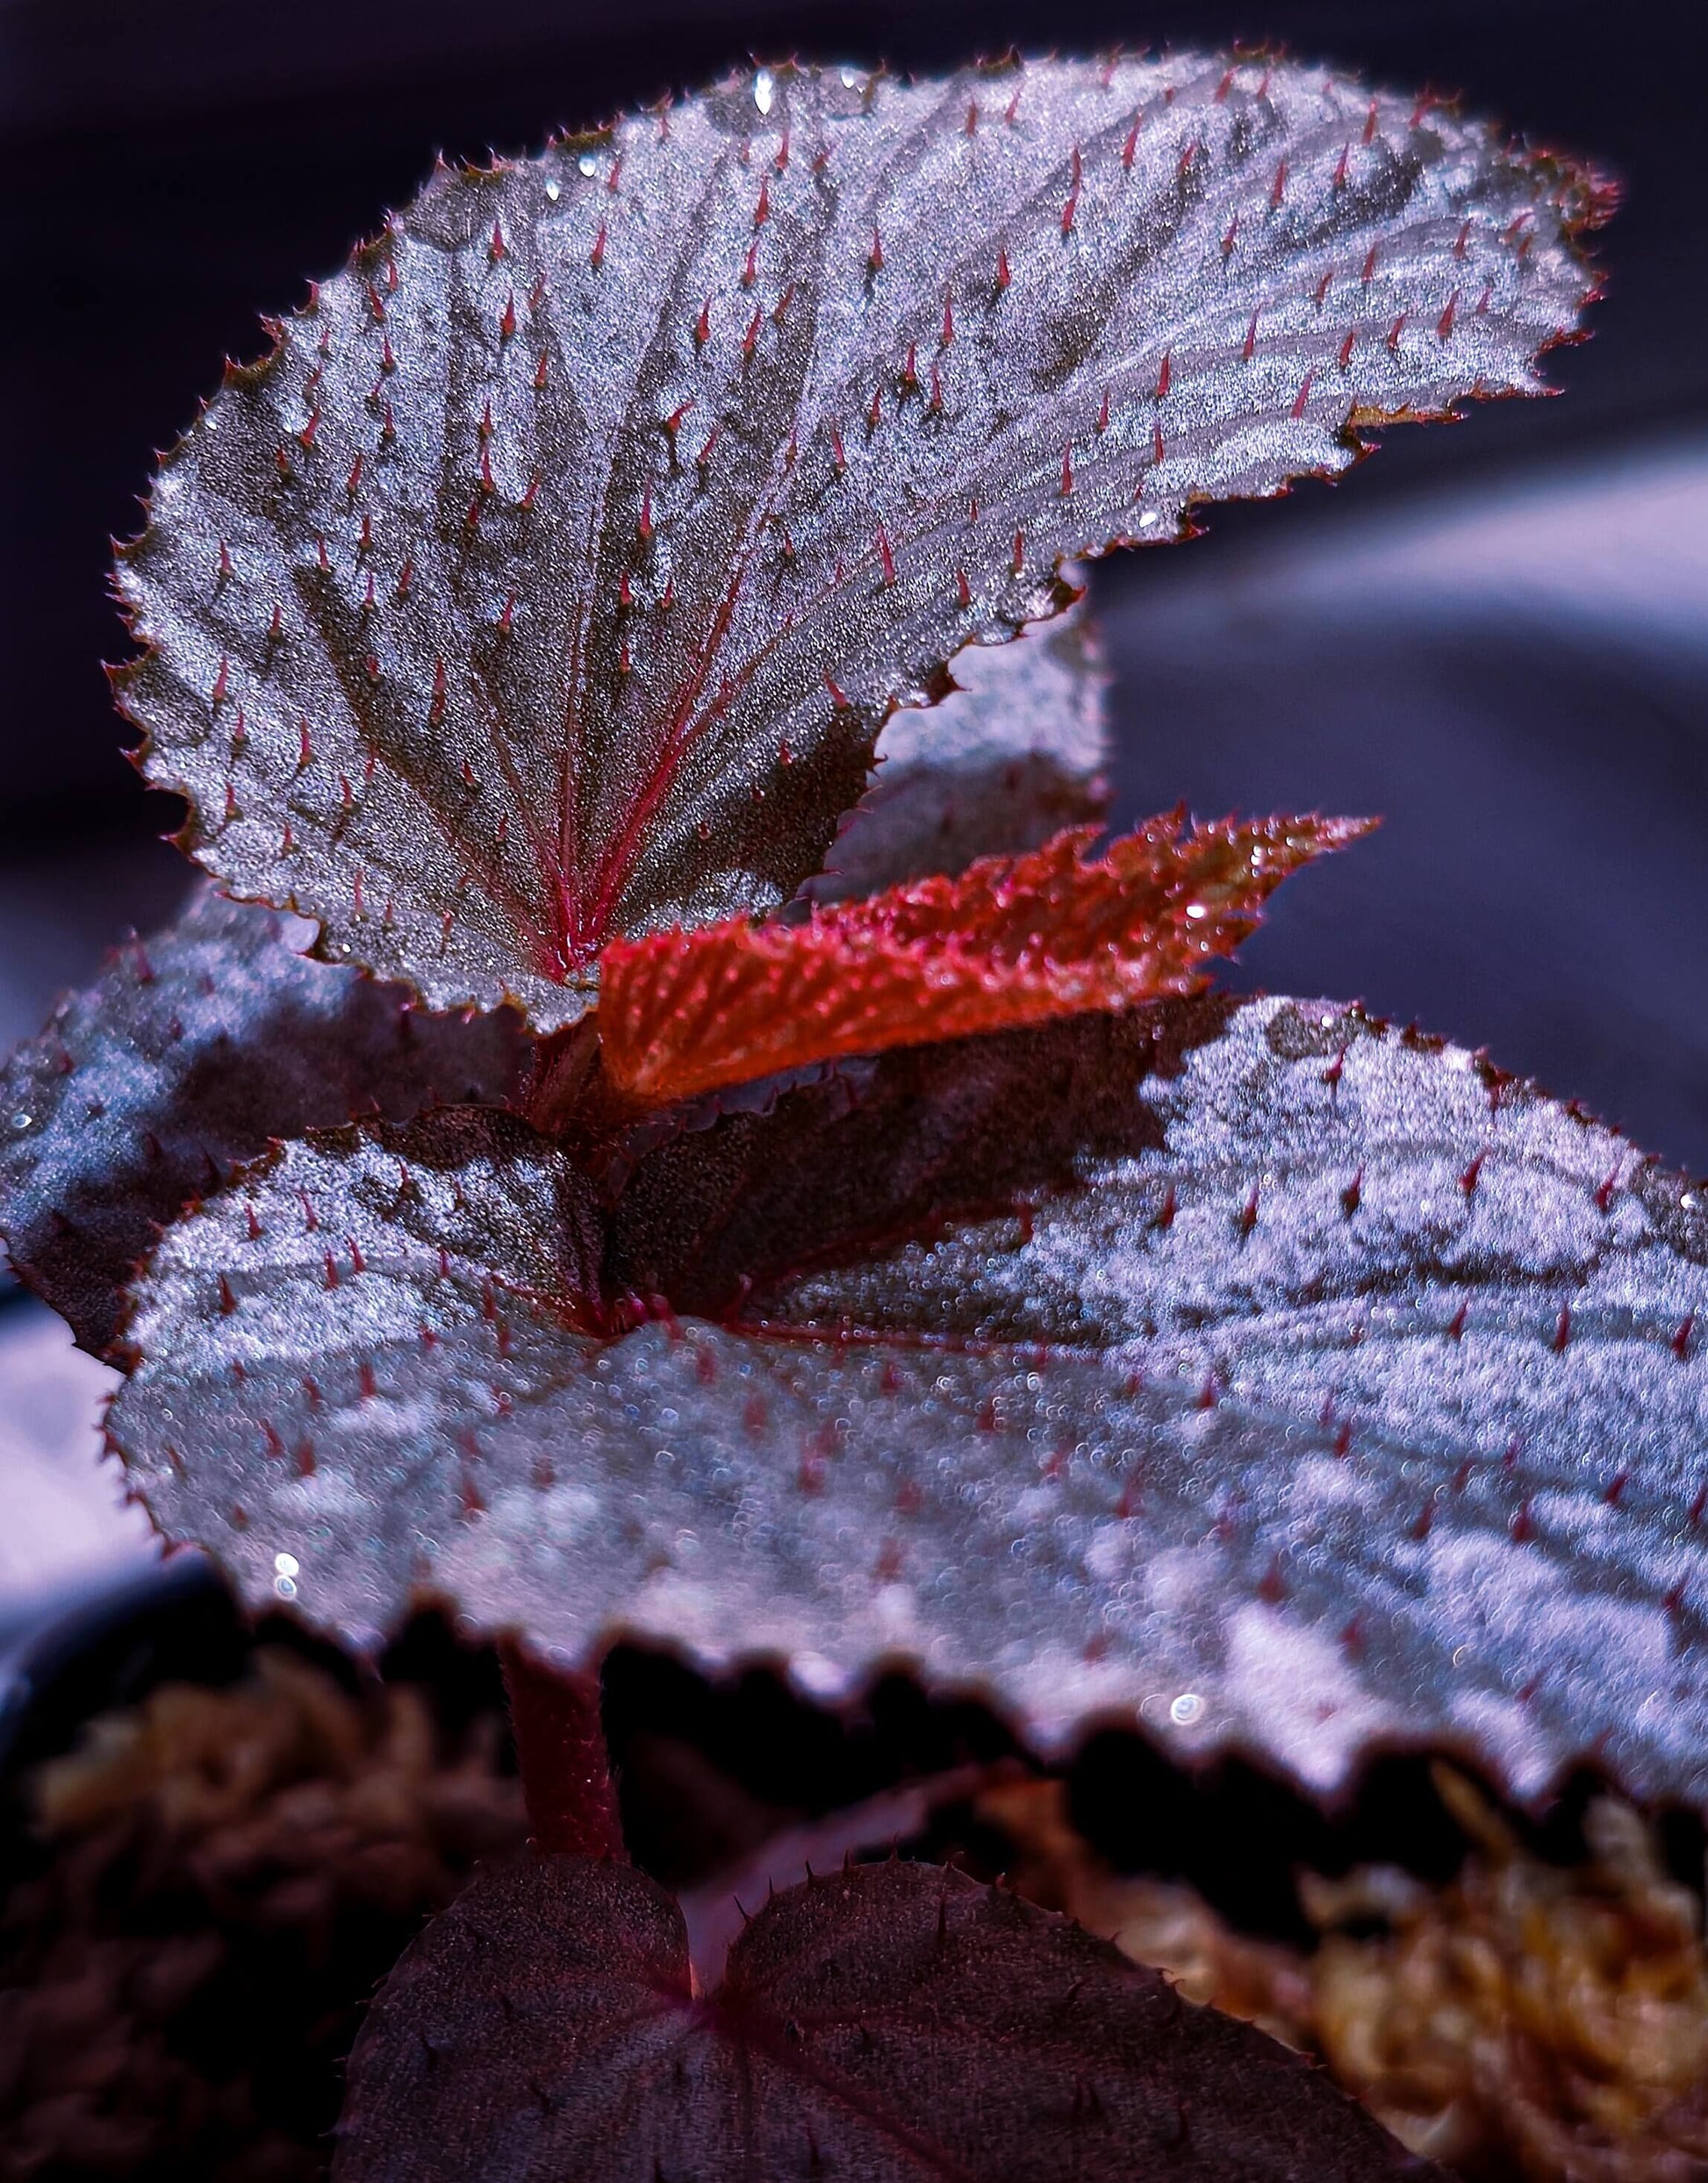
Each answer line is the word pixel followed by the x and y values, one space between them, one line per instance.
pixel 551 579
pixel 1014 753
pixel 191 1052
pixel 1304 1385
pixel 1012 941
pixel 872 1151
pixel 893 2021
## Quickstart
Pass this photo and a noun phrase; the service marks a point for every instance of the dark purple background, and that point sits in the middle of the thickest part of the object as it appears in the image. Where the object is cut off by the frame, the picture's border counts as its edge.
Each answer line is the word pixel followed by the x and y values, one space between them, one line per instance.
pixel 174 167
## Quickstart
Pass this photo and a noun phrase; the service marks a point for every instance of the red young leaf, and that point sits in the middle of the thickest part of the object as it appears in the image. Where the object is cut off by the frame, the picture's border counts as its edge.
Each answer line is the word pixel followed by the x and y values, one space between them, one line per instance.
pixel 890 2023
pixel 551 580
pixel 1305 1384
pixel 1011 942
pixel 193 1051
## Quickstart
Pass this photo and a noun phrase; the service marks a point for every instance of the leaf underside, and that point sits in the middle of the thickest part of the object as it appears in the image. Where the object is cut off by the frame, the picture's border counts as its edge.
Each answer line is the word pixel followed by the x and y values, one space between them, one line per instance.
pixel 191 1052
pixel 892 2021
pixel 1304 1385
pixel 1010 942
pixel 551 580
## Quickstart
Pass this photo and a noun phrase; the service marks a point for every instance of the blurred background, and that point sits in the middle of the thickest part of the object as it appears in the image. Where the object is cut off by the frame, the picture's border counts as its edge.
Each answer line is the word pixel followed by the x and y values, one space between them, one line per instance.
pixel 1495 636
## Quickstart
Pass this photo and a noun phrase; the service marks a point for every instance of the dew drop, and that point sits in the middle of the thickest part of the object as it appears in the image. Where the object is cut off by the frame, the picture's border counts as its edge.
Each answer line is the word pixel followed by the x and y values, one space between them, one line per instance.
pixel 764 85
pixel 554 191
pixel 1186 1708
pixel 587 163
pixel 22 1119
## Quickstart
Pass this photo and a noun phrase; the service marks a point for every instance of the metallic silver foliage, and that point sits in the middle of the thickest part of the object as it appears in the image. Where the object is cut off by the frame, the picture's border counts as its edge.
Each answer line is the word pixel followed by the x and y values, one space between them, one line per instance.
pixel 1355 1398
pixel 553 576
pixel 191 1052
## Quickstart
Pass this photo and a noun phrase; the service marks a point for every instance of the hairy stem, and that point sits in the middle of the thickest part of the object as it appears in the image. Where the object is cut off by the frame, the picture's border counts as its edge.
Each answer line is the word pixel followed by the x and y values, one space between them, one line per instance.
pixel 560 1744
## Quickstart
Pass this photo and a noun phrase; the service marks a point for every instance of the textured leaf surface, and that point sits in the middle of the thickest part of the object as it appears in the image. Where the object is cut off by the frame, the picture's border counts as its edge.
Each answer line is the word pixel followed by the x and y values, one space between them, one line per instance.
pixel 1325 1390
pixel 192 1051
pixel 1012 941
pixel 893 2021
pixel 551 579
pixel 1016 752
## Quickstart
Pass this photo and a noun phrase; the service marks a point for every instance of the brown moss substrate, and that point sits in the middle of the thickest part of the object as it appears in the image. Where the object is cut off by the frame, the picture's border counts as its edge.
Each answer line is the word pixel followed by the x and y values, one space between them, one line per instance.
pixel 231 1874
pixel 1523 2021
pixel 225 1875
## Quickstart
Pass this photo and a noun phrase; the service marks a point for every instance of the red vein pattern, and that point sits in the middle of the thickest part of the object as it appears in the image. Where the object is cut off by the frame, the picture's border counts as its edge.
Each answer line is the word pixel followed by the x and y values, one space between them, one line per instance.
pixel 1013 941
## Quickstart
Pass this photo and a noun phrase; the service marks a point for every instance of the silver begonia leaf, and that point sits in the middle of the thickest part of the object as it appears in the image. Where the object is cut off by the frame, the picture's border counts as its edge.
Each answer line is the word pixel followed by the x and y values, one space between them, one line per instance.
pixel 1336 1391
pixel 191 1052
pixel 552 578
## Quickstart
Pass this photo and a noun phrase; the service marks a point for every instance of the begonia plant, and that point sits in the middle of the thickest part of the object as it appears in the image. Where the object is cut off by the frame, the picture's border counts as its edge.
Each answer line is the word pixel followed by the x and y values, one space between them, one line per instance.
pixel 664 1123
